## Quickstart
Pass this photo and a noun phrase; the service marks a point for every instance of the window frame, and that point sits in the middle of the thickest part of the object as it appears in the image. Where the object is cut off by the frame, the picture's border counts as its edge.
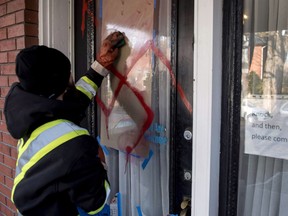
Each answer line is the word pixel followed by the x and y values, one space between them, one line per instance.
pixel 231 106
pixel 206 107
pixel 56 26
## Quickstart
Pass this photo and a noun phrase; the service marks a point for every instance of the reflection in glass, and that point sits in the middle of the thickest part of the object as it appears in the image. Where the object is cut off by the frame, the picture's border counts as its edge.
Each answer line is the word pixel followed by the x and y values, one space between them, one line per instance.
pixel 263 179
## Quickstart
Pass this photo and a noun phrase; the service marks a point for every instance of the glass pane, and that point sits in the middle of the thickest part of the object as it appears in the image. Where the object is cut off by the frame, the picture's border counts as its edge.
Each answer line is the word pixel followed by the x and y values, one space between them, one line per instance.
pixel 134 105
pixel 263 173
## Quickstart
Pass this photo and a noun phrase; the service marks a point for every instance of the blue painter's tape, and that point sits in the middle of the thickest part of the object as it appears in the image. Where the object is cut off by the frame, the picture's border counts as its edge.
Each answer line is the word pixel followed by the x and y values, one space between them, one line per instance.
pixel 157 128
pixel 100 9
pixel 105 150
pixel 81 212
pixel 133 155
pixel 155 3
pixel 139 210
pixel 145 162
pixel 119 204
pixel 104 212
pixel 156 139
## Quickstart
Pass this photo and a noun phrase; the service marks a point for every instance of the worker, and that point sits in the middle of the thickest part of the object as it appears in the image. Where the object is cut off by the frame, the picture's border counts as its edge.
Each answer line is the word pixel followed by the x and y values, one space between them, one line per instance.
pixel 58 169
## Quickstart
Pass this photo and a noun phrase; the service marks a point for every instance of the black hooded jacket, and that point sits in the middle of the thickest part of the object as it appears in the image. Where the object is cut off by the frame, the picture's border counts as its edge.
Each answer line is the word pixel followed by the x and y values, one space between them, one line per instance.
pixel 70 176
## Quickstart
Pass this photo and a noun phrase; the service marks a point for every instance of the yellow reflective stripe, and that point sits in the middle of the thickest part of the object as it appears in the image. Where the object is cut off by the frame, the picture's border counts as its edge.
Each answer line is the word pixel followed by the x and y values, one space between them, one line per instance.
pixel 20 143
pixel 107 188
pixel 36 133
pixel 44 151
pixel 87 93
pixel 90 82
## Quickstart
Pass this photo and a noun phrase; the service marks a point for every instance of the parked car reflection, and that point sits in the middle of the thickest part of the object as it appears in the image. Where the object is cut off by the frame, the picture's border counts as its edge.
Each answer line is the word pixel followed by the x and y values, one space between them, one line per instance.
pixel 253 113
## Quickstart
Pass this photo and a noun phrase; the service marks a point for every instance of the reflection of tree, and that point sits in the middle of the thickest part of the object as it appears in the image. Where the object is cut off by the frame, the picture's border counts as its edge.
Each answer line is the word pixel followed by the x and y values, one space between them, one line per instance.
pixel 274 64
pixel 275 57
pixel 255 84
pixel 265 25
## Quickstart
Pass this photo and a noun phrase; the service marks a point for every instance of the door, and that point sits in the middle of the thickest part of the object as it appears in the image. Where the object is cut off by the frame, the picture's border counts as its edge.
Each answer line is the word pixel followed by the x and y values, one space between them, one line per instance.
pixel 181 109
pixel 142 115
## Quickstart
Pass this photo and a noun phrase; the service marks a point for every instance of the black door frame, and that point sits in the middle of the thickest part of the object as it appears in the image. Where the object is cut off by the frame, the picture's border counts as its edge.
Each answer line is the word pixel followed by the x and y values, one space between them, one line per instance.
pixel 85 55
pixel 231 99
pixel 182 34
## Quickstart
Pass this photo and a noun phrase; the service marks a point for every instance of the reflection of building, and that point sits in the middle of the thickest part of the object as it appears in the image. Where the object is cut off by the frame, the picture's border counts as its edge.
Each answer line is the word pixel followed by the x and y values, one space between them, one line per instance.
pixel 253 61
pixel 257 63
pixel 254 53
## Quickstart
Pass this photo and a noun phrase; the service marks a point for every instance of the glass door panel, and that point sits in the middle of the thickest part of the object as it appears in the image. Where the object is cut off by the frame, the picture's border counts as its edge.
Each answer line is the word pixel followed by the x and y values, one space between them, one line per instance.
pixel 135 104
pixel 263 179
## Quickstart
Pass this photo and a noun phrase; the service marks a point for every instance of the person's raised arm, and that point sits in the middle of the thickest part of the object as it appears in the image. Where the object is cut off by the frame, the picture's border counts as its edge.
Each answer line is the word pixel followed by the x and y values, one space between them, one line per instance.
pixel 86 87
pixel 109 52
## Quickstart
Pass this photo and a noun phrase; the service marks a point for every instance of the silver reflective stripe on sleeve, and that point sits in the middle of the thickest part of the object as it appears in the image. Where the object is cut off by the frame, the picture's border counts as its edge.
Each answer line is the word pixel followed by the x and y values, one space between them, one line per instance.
pixel 87 87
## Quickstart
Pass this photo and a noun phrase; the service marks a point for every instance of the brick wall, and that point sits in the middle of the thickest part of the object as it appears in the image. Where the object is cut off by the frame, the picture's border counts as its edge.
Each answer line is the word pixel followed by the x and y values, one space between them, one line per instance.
pixel 18 29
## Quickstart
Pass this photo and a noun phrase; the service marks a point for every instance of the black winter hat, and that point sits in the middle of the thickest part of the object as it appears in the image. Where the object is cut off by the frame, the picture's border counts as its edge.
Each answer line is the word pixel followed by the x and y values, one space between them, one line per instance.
pixel 43 71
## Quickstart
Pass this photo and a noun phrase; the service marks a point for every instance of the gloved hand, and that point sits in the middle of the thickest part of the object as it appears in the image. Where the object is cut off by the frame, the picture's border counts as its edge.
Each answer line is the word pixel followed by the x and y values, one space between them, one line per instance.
pixel 109 49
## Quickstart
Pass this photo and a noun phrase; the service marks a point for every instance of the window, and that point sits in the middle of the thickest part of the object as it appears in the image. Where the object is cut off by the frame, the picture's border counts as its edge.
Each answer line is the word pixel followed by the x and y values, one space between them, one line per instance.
pixel 263 179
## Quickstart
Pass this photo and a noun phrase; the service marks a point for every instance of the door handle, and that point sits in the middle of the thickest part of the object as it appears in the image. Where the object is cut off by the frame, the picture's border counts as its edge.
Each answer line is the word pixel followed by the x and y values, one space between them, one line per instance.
pixel 185 207
pixel 187 134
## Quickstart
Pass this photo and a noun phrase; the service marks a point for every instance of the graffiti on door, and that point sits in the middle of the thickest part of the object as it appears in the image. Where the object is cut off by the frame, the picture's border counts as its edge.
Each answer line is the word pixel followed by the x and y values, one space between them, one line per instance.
pixel 125 92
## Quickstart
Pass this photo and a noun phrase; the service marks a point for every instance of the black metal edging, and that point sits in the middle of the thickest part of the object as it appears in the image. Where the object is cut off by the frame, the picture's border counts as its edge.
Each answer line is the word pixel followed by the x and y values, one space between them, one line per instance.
pixel 91 32
pixel 172 173
pixel 231 98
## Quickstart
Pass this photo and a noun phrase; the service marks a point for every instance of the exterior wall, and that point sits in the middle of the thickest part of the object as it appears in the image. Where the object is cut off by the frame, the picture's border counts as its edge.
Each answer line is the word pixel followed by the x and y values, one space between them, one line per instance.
pixel 18 29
